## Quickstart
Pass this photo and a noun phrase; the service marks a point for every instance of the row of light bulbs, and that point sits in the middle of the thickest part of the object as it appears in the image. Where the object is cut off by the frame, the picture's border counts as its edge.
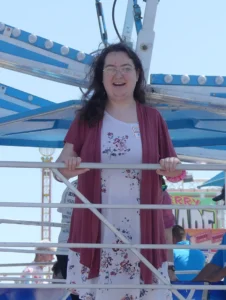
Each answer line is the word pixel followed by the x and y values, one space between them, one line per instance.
pixel 16 32
pixel 185 79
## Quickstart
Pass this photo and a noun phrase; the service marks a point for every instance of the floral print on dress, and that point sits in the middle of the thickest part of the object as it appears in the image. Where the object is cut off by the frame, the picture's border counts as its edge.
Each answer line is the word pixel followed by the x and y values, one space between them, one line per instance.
pixel 116 146
pixel 143 293
pixel 84 273
pixel 88 296
pixel 128 297
pixel 106 259
pixel 135 176
pixel 125 231
pixel 103 186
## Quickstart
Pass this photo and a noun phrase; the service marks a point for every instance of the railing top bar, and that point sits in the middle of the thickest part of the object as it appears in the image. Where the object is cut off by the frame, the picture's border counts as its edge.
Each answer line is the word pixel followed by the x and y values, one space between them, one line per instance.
pixel 114 286
pixel 19 273
pixel 23 164
pixel 35 223
pixel 27 264
pixel 50 273
pixel 112 246
pixel 31 251
pixel 50 280
pixel 110 206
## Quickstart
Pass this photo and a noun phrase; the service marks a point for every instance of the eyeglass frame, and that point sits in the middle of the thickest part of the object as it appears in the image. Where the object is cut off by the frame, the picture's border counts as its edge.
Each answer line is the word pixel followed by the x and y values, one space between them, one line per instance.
pixel 115 70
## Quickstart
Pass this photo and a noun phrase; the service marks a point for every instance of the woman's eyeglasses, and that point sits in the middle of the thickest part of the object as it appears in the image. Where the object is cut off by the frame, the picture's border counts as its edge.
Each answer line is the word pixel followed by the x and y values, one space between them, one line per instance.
pixel 123 70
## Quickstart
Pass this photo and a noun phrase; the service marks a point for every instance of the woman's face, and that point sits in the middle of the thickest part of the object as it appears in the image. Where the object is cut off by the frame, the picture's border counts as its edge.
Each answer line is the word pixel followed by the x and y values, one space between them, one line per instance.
pixel 119 76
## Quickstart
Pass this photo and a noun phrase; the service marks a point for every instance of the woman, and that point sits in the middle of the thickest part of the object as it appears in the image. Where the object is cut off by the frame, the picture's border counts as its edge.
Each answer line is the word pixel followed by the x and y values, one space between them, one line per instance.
pixel 115 126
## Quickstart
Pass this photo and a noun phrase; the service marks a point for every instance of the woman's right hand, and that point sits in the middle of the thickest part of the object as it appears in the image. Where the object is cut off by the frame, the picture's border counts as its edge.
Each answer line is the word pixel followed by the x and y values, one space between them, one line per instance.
pixel 72 164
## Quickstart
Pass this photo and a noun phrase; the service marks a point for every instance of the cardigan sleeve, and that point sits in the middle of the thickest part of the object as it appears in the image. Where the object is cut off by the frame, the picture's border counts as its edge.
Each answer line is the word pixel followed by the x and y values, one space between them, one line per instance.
pixel 168 217
pixel 76 135
pixel 166 148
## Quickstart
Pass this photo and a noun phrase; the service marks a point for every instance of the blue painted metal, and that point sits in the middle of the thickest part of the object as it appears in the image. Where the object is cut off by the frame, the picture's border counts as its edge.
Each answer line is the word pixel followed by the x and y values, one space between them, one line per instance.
pixel 137 16
pixel 40 43
pixel 32 294
pixel 219 95
pixel 197 295
pixel 202 127
pixel 30 55
pixel 23 52
pixel 12 106
pixel 218 180
pixel 18 95
pixel 51 123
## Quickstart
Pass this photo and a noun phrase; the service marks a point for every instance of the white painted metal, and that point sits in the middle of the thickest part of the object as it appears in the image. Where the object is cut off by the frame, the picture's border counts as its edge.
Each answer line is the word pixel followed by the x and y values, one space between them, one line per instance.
pixel 112 206
pixel 146 36
pixel 33 223
pixel 196 167
pixel 112 246
pixel 114 286
pixel 128 24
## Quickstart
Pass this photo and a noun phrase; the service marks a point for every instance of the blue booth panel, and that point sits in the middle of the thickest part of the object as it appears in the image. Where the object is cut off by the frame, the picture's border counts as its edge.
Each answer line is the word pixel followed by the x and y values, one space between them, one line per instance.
pixel 217 295
pixel 33 294
pixel 197 295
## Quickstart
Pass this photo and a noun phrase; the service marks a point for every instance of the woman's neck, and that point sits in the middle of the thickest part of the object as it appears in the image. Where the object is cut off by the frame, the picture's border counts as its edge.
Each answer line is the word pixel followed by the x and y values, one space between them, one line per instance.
pixel 125 112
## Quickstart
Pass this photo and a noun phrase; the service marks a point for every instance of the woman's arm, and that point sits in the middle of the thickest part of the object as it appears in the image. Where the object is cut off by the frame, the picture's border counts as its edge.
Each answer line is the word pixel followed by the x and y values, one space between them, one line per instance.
pixel 72 161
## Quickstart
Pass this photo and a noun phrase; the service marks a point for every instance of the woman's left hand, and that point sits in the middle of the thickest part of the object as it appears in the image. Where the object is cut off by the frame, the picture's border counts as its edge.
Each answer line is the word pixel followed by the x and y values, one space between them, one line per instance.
pixel 168 167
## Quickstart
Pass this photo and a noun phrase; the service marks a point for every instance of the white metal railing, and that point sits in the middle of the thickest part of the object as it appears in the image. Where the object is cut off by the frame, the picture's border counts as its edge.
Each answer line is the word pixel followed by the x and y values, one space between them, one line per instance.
pixel 27 264
pixel 110 246
pixel 16 273
pixel 22 279
pixel 120 286
pixel 50 273
pixel 33 223
pixel 112 206
pixel 145 166
pixel 93 208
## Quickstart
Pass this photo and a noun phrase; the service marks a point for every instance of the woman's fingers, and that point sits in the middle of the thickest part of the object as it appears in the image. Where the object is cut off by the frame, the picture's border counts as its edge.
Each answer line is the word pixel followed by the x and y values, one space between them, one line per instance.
pixel 169 164
pixel 72 163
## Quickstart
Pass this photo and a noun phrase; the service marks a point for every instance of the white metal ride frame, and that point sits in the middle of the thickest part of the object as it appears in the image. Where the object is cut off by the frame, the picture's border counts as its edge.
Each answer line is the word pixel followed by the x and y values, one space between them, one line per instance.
pixel 145 34
pixel 126 244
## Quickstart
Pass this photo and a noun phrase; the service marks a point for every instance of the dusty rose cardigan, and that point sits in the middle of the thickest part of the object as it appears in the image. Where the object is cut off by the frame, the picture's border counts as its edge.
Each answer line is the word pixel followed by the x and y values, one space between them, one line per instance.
pixel 85 226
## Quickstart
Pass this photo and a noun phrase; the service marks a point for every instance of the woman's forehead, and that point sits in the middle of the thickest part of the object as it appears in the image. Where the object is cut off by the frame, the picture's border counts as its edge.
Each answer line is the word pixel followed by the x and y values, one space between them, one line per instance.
pixel 118 58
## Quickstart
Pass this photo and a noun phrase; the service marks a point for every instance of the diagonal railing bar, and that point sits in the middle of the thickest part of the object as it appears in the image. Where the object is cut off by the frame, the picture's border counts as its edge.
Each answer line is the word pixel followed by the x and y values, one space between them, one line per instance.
pixel 115 231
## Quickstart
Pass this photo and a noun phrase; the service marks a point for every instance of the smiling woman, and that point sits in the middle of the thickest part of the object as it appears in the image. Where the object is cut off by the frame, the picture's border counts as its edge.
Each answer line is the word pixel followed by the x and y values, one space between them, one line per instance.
pixel 115 126
pixel 116 74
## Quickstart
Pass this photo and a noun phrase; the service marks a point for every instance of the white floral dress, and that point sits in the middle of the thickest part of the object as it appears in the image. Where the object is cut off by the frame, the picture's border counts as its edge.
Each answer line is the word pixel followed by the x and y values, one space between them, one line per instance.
pixel 120 143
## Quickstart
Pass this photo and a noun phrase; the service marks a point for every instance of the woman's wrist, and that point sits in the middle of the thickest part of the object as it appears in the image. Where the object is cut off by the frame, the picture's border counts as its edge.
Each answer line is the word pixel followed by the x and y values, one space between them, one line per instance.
pixel 177 178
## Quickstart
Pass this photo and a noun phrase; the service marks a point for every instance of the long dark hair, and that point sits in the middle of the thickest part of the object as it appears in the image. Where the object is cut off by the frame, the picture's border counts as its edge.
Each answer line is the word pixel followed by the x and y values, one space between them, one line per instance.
pixel 95 99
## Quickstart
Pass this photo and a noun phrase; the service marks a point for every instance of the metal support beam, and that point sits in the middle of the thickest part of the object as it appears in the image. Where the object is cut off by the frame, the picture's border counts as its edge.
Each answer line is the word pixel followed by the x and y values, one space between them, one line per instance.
pixel 128 24
pixel 146 36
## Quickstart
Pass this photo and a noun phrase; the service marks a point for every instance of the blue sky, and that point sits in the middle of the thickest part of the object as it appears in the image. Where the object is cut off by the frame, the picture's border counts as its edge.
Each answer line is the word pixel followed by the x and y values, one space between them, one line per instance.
pixel 190 39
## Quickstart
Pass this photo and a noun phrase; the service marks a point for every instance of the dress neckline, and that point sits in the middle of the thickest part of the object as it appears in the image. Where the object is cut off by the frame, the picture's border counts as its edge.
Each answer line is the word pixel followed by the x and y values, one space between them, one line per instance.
pixel 111 117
